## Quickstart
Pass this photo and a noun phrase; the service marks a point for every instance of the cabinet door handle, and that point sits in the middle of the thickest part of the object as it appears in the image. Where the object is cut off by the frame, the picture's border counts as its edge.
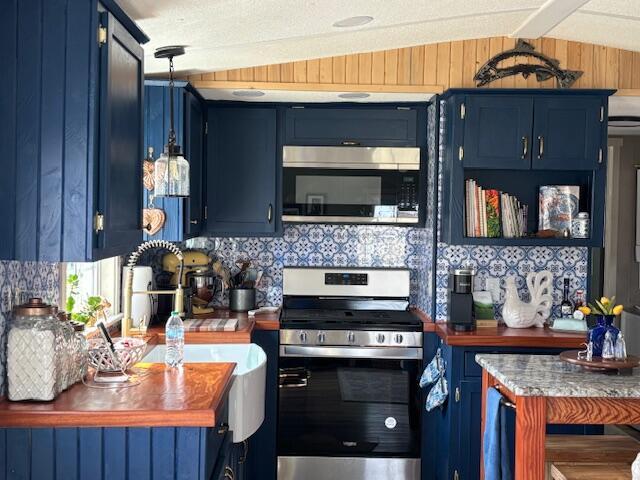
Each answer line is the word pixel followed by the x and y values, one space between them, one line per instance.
pixel 525 147
pixel 222 429
pixel 350 143
pixel 270 213
pixel 193 222
pixel 245 452
pixel 540 146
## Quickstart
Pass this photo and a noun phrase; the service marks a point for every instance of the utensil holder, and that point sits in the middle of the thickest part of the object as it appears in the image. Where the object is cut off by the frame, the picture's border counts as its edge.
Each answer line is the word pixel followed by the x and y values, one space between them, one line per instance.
pixel 242 299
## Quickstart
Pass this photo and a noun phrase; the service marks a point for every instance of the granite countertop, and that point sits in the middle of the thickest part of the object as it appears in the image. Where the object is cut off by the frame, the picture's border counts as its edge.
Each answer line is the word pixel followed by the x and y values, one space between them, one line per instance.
pixel 548 376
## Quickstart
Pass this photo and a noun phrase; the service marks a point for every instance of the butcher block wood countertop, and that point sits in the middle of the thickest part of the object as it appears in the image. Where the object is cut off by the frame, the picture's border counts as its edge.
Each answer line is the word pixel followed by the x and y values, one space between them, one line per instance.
pixel 502 336
pixel 193 396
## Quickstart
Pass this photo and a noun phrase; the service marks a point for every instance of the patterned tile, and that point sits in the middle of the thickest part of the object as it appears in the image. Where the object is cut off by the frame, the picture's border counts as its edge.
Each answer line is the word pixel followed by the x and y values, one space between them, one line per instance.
pixel 328 246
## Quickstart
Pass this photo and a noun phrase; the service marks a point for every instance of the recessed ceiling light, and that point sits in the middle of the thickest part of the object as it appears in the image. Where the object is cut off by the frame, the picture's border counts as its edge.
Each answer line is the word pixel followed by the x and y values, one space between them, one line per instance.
pixel 248 93
pixel 354 95
pixel 353 21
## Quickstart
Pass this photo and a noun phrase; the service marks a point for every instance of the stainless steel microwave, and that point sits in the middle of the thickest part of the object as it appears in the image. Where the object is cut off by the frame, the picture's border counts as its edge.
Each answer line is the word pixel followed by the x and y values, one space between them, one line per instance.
pixel 351 184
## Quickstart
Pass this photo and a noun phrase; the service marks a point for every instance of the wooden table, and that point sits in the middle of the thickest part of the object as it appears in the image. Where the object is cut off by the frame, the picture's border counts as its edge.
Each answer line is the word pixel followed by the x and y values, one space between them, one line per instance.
pixel 546 390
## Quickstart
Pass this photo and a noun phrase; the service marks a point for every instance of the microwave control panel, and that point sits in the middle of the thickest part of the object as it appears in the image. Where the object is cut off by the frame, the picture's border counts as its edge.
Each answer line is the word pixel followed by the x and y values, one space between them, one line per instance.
pixel 346 279
pixel 408 195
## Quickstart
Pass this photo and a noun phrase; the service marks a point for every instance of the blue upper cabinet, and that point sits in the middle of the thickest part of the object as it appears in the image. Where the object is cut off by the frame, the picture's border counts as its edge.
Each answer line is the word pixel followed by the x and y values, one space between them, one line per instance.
pixel 195 130
pixel 358 126
pixel 497 131
pixel 120 145
pixel 184 217
pixel 568 132
pixel 71 112
pixel 243 171
pixel 531 129
pixel 517 140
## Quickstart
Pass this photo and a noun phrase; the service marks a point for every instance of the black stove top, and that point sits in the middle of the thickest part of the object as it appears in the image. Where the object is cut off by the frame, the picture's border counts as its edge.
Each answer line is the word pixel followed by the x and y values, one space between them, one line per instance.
pixel 338 319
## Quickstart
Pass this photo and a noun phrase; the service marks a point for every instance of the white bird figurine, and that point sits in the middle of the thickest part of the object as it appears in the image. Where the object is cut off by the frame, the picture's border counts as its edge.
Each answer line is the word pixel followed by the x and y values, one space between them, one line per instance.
pixel 519 314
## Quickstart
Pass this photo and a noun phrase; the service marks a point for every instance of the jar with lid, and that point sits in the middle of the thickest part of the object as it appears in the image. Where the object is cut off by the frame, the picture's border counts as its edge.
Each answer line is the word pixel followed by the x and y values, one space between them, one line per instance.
pixel 41 357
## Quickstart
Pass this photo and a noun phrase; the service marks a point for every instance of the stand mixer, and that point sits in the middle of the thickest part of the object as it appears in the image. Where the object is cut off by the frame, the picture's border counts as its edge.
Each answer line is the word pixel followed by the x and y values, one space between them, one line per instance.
pixel 201 281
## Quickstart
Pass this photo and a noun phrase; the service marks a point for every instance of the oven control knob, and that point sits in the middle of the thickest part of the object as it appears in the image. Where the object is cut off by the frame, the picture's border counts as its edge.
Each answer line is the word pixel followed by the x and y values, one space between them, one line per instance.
pixel 351 337
pixel 303 337
pixel 398 338
pixel 380 338
pixel 321 337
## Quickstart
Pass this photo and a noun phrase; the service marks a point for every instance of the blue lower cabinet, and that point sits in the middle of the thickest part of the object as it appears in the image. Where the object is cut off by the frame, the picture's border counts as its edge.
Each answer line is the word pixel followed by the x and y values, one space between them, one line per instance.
pixel 261 462
pixel 451 434
pixel 138 453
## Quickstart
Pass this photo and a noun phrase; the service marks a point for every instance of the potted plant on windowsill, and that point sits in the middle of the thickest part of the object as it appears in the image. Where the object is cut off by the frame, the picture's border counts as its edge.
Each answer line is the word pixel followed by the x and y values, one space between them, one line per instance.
pixel 605 310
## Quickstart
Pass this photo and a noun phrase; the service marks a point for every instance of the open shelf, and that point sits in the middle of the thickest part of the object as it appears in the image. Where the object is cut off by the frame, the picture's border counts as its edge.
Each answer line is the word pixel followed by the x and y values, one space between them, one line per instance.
pixel 525 185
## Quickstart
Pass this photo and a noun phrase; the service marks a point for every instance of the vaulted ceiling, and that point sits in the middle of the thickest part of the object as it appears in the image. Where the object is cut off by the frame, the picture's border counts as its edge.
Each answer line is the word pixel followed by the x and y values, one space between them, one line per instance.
pixel 227 34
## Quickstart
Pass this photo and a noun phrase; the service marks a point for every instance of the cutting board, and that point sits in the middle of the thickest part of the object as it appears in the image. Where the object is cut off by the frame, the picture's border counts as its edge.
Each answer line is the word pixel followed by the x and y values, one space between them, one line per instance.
pixel 211 325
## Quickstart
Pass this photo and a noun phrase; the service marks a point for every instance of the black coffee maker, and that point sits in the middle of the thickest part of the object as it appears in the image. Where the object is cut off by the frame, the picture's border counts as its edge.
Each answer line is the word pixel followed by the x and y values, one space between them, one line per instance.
pixel 461 315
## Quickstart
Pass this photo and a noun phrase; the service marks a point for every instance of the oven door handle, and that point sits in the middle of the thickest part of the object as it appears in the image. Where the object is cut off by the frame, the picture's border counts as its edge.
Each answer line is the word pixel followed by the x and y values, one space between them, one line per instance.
pixel 391 353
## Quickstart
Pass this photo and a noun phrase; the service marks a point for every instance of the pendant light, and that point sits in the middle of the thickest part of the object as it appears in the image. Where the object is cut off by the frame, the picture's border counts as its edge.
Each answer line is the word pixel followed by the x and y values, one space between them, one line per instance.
pixel 171 168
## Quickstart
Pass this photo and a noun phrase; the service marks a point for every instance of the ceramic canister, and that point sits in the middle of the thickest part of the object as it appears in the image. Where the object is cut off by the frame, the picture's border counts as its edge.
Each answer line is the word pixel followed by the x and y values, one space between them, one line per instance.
pixel 580 226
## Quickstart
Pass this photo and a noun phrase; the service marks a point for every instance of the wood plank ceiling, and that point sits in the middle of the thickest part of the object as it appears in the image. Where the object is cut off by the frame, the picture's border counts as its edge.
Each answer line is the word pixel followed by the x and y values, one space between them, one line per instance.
pixel 434 68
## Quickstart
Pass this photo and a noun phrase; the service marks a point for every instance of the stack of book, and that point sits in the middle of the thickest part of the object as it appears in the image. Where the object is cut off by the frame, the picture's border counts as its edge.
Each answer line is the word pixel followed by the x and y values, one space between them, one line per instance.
pixel 493 214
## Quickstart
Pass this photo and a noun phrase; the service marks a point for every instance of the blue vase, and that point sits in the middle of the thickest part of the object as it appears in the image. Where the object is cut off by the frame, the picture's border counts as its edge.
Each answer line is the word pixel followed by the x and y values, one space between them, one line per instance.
pixel 597 332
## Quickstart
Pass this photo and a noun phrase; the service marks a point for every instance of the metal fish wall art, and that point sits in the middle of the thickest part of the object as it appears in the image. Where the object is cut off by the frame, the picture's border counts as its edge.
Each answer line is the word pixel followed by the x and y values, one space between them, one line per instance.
pixel 547 68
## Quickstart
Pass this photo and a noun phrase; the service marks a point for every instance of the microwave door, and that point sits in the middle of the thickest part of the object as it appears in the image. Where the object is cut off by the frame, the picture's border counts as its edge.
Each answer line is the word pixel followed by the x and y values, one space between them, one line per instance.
pixel 348 195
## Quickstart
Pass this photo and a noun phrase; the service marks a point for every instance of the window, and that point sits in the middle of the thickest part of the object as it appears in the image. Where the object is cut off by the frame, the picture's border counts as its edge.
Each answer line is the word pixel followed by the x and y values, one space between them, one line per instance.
pixel 93 279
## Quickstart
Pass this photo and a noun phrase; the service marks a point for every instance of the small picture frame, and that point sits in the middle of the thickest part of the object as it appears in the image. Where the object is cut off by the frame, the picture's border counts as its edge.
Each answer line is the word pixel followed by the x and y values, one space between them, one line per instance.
pixel 315 203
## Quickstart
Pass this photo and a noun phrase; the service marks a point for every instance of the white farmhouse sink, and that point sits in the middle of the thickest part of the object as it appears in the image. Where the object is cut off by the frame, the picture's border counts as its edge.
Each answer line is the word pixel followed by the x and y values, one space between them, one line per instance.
pixel 246 397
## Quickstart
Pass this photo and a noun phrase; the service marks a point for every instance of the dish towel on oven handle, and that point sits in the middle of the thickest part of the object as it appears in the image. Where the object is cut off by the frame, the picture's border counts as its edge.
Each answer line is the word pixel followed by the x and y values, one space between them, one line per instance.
pixel 434 374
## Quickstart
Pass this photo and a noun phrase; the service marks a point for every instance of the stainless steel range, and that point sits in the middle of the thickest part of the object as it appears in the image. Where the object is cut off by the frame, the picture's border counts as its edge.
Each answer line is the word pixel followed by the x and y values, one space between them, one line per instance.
pixel 350 359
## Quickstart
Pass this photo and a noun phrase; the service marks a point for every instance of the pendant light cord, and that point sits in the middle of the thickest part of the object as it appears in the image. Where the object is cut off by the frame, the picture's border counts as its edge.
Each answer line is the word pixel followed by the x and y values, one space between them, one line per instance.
pixel 172 133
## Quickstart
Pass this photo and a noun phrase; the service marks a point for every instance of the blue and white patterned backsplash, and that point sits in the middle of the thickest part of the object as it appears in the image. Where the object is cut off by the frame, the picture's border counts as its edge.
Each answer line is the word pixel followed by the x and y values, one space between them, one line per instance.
pixel 325 245
pixel 30 278
pixel 517 262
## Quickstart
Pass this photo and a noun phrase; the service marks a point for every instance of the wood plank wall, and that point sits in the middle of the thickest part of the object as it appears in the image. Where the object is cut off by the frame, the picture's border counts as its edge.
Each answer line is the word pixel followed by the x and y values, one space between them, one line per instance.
pixel 442 65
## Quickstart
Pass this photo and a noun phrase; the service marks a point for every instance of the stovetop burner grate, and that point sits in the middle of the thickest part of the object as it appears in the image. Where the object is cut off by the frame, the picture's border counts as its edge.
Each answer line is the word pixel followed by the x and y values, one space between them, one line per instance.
pixel 349 319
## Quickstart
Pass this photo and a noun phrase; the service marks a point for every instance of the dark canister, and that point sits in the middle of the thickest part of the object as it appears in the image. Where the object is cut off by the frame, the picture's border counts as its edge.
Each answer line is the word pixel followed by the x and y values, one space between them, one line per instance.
pixel 242 299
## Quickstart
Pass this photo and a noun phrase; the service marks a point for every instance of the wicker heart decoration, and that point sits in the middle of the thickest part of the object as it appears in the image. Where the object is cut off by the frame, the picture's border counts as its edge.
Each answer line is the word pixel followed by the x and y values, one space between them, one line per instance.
pixel 153 220
pixel 147 175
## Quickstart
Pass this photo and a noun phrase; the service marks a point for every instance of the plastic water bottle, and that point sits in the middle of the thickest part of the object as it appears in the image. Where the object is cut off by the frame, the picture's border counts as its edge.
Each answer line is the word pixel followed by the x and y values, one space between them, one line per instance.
pixel 174 339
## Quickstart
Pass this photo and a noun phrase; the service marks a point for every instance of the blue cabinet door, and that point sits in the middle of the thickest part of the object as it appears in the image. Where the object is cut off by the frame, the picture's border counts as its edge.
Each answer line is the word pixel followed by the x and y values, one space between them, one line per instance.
pixel 356 126
pixel 262 453
pixel 121 138
pixel 497 131
pixel 194 150
pixel 242 171
pixel 470 399
pixel 568 132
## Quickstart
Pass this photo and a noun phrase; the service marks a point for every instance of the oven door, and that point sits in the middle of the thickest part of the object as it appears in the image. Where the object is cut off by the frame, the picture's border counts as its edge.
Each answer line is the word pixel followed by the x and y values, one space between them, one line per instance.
pixel 355 185
pixel 349 402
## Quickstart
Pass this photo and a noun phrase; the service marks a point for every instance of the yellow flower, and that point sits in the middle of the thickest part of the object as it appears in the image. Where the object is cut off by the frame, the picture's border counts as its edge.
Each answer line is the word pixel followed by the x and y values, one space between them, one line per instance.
pixel 617 310
pixel 585 310
pixel 605 301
